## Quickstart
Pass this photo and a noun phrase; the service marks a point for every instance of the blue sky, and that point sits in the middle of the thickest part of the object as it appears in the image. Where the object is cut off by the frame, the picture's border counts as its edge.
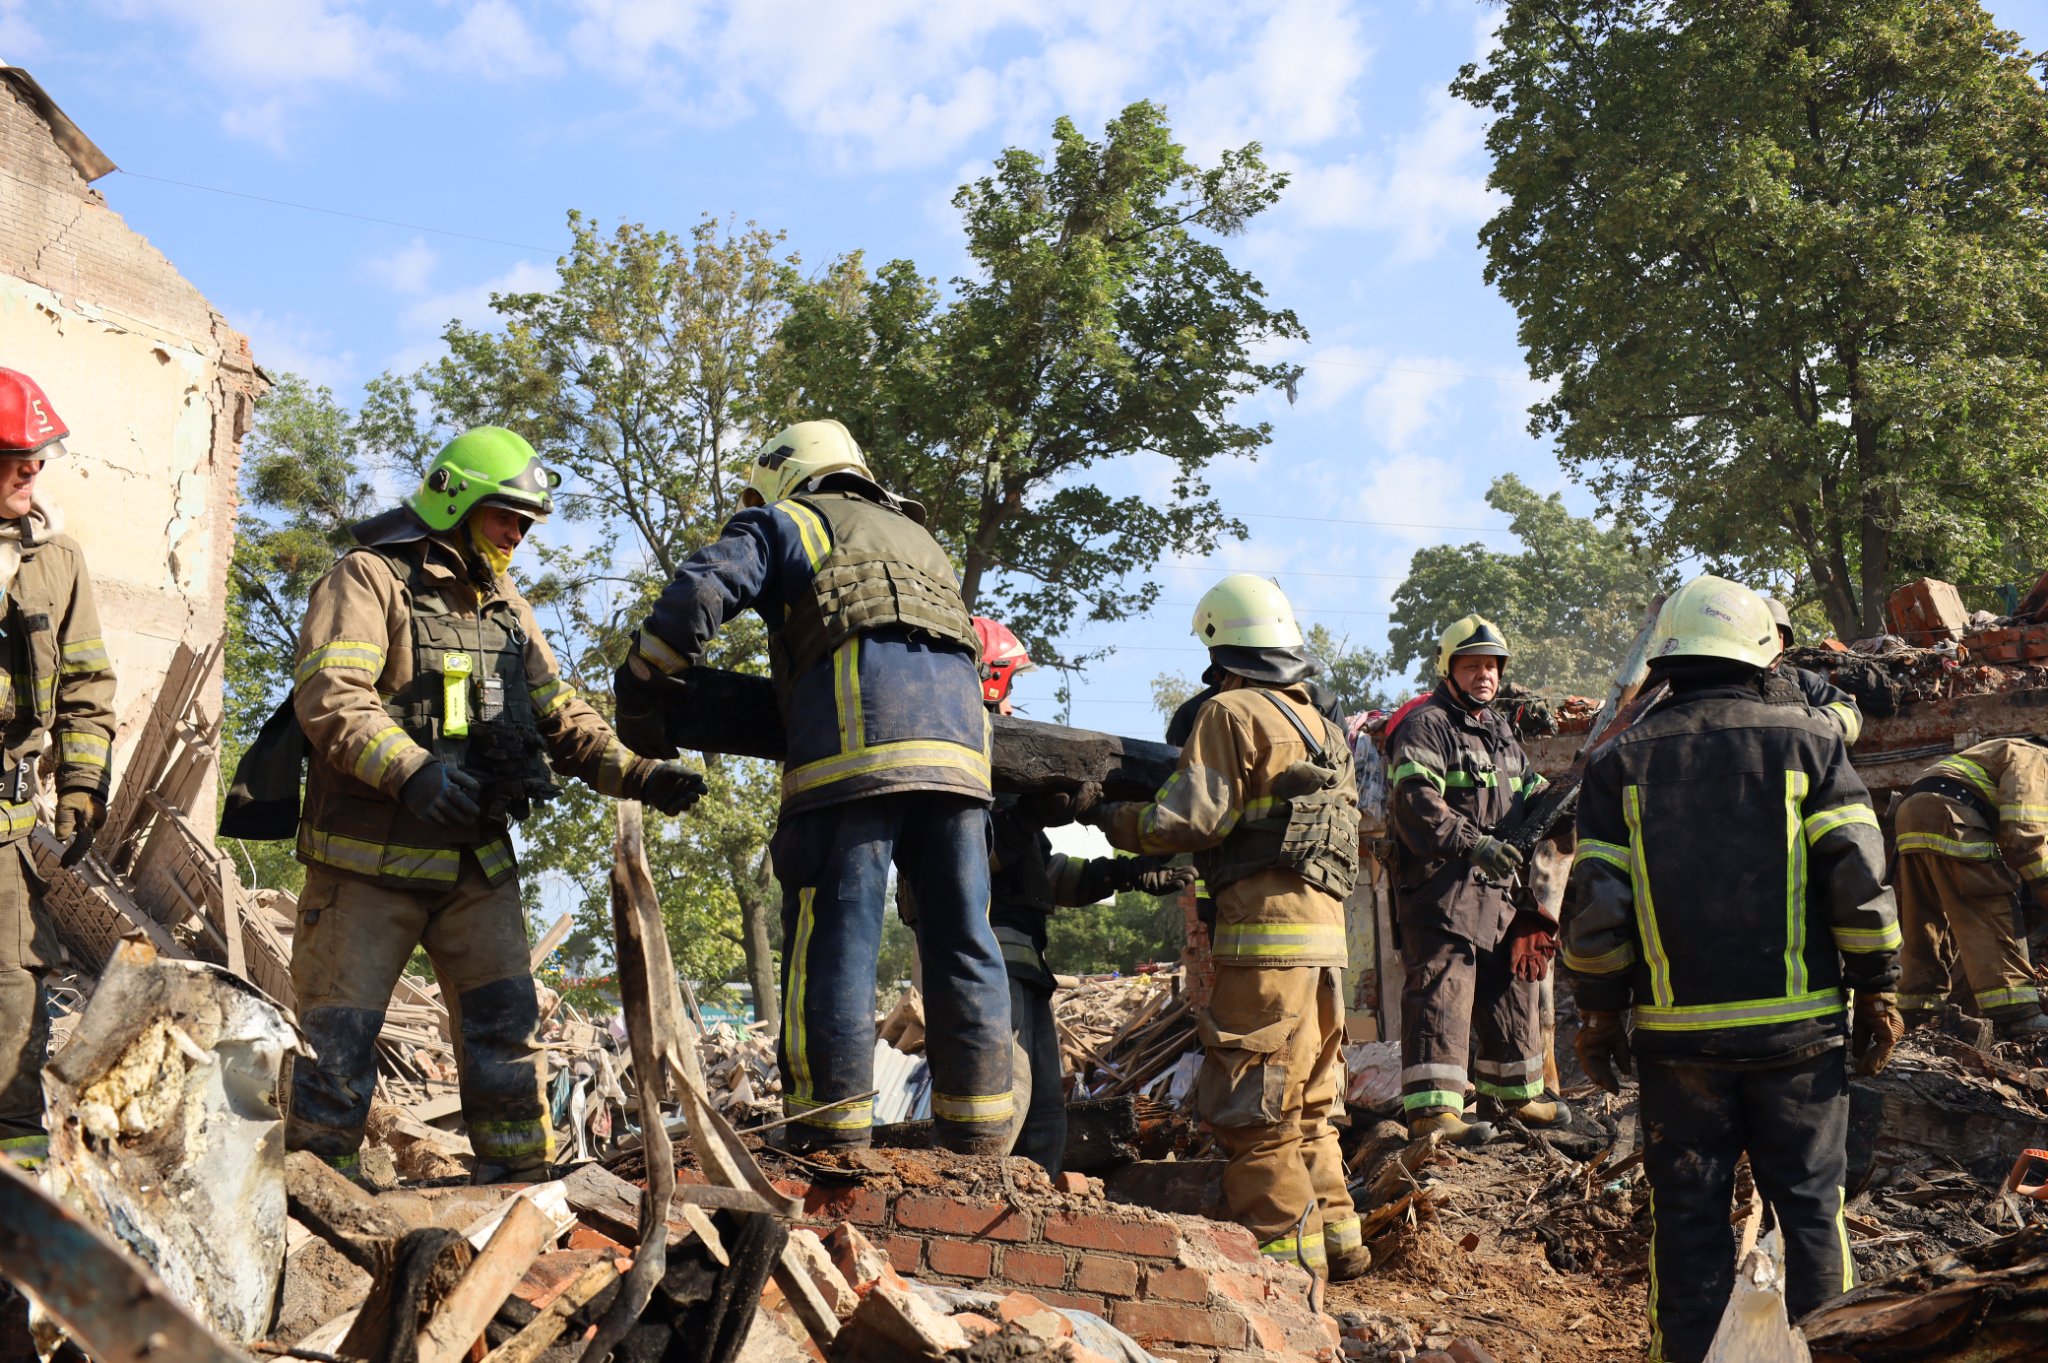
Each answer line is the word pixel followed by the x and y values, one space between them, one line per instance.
pixel 848 125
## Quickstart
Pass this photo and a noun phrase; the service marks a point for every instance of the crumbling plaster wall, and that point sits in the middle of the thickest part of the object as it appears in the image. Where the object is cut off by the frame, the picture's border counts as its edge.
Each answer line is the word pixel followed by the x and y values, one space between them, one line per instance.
pixel 157 389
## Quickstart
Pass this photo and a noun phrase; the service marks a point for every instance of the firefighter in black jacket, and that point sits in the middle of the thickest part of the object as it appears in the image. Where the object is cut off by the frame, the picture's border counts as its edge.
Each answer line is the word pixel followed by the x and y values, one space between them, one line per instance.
pixel 1475 950
pixel 1730 890
pixel 1820 693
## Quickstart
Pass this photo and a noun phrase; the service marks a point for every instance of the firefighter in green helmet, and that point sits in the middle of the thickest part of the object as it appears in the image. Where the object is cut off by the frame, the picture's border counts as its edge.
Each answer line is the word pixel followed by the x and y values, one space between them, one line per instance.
pixel 434 717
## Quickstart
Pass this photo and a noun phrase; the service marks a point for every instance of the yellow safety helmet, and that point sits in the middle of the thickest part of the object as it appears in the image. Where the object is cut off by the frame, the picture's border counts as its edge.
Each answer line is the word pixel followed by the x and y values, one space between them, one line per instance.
pixel 1475 636
pixel 807 450
pixel 1245 610
pixel 1711 617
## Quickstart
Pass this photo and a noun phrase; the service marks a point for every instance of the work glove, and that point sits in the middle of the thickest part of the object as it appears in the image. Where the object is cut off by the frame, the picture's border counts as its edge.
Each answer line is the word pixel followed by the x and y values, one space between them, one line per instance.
pixel 1051 808
pixel 1532 942
pixel 79 815
pixel 668 785
pixel 1497 858
pixel 1876 1029
pixel 1100 813
pixel 640 696
pixel 442 795
pixel 1150 874
pixel 1602 1048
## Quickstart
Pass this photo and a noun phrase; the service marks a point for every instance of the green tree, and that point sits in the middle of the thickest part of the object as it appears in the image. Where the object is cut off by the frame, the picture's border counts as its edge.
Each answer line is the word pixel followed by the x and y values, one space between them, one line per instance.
pixel 1355 673
pixel 1133 930
pixel 636 378
pixel 1103 320
pixel 1786 263
pixel 1570 601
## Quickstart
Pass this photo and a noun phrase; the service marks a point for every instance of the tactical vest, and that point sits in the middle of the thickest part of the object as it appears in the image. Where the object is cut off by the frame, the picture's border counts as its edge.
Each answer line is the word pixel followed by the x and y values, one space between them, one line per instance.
pixel 29 650
pixel 1310 828
pixel 461 664
pixel 883 570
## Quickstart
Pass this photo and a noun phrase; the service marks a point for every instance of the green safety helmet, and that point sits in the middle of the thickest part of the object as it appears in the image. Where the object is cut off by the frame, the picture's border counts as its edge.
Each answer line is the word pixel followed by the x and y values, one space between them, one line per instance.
pixel 1475 636
pixel 1711 617
pixel 1245 610
pixel 799 453
pixel 484 466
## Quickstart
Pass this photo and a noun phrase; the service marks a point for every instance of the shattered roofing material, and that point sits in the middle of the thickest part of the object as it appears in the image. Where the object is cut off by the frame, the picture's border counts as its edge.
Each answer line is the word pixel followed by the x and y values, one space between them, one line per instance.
pixel 90 161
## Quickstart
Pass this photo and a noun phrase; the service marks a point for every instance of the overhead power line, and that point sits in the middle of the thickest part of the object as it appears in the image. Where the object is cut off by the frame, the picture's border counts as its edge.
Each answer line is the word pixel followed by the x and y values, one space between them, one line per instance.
pixel 1388 525
pixel 340 213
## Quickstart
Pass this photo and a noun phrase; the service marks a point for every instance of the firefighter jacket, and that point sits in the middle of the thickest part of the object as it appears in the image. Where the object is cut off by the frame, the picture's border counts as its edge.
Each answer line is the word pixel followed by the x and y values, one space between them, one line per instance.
pixel 1983 804
pixel 61 680
pixel 1456 775
pixel 1027 881
pixel 1729 878
pixel 1274 860
pixel 874 656
pixel 384 631
pixel 1825 696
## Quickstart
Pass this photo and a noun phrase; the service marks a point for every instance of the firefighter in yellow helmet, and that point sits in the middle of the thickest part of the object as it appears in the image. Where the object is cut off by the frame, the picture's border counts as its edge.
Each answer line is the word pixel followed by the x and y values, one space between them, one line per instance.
pixel 1265 798
pixel 1736 948
pixel 1474 943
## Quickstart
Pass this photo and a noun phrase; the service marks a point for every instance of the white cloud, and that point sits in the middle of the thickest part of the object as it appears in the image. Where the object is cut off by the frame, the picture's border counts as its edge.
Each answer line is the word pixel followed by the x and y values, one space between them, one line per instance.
pixel 407 270
pixel 1409 398
pixel 20 40
pixel 424 321
pixel 1431 184
pixel 288 345
pixel 495 41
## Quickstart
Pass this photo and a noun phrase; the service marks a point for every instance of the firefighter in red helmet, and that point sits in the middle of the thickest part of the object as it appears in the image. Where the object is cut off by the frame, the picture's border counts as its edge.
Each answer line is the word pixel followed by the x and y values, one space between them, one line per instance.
pixel 59 694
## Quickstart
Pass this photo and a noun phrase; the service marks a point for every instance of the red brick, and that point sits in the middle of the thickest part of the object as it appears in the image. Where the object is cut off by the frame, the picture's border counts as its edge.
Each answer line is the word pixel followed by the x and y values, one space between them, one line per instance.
pixel 1157 1239
pixel 961 1216
pixel 1232 1242
pixel 1018 1305
pixel 850 1202
pixel 903 1252
pixel 1149 1321
pixel 1035 1267
pixel 1177 1284
pixel 583 1237
pixel 1111 1277
pixel 959 1258
pixel 1071 1182
pixel 790 1187
pixel 1074 1301
pixel 1186 1355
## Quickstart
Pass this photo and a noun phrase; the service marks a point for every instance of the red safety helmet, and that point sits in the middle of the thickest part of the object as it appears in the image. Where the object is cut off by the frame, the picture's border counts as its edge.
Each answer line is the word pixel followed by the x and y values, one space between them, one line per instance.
pixel 1002 658
pixel 29 425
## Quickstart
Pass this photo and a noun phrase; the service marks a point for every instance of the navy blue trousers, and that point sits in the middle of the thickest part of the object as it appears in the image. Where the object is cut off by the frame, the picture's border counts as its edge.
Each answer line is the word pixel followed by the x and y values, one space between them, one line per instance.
pixel 833 864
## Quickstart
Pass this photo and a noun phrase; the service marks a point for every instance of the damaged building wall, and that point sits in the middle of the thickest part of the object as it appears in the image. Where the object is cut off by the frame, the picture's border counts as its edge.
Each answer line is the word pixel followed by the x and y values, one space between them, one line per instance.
pixel 156 387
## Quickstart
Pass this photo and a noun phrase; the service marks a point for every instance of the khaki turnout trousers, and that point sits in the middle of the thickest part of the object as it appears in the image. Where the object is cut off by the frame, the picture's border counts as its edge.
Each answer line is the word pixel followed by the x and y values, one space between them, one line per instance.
pixel 26 948
pixel 1271 1082
pixel 1960 914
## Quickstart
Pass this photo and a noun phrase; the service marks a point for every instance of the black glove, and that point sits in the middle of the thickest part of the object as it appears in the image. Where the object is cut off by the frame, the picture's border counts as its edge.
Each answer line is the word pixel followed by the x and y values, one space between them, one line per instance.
pixel 79 815
pixel 640 697
pixel 442 795
pixel 1051 808
pixel 669 786
pixel 1497 858
pixel 1602 1047
pixel 1149 874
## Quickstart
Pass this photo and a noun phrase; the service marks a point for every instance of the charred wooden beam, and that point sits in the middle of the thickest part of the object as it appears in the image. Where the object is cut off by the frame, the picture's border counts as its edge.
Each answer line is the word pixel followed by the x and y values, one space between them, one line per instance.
pixel 729 712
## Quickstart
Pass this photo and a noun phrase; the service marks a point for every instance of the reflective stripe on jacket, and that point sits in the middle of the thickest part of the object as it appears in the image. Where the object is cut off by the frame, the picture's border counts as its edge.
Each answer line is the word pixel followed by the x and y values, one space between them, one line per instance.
pixel 356 652
pixel 1828 698
pixel 1455 775
pixel 2010 777
pixel 892 709
pixel 60 680
pixel 1729 877
pixel 1239 747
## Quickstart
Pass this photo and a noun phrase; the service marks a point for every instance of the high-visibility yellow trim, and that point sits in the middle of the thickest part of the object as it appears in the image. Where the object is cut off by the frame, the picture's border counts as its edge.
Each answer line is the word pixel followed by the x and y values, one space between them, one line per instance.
pixel 384 748
pixel 1521 1092
pixel 1278 939
pixel 495 858
pixel 1964 769
pixel 1413 768
pixel 810 529
pixel 1433 1098
pixel 2036 868
pixel 1470 780
pixel 1287 1246
pixel 655 651
pixel 77 748
pixel 551 696
pixel 1842 1237
pixel 17 818
pixel 511 1140
pixel 1827 821
pixel 1849 717
pixel 1613 853
pixel 1346 1232
pixel 613 768
pixel 846 695
pixel 1606 963
pixel 1919 1001
pixel 2023 813
pixel 354 654
pixel 2007 998
pixel 1796 785
pixel 80 656
pixel 1886 938
pixel 915 752
pixel 1704 1017
pixel 1963 849
pixel 974 1107
pixel 1646 908
pixel 428 865
pixel 794 1039
pixel 1656 1326
pixel 845 1117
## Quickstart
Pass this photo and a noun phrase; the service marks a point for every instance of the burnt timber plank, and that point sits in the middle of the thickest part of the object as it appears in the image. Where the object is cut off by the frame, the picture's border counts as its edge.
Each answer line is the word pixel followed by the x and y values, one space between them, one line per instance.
pixel 729 712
